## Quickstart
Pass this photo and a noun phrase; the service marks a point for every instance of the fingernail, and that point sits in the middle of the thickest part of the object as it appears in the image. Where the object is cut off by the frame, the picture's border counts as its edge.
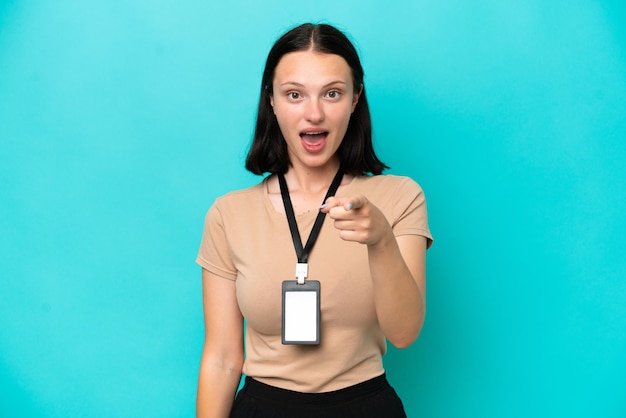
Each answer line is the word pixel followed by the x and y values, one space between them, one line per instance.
pixel 323 205
pixel 349 206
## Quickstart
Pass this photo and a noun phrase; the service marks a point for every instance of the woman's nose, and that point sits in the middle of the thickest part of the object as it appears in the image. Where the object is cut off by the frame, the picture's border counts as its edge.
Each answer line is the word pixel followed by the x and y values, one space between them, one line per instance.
pixel 314 111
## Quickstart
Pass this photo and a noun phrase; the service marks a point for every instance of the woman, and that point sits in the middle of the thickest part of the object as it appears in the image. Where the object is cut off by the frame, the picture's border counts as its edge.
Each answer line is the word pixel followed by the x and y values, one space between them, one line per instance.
pixel 313 129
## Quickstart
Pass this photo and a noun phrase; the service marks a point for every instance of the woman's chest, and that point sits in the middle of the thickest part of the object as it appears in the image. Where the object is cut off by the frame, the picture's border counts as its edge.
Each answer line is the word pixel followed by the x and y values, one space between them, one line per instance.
pixel 341 267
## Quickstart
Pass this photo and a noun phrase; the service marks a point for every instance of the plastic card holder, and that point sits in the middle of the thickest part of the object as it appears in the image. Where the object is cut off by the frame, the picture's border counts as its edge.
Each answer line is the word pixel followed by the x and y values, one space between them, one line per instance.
pixel 301 312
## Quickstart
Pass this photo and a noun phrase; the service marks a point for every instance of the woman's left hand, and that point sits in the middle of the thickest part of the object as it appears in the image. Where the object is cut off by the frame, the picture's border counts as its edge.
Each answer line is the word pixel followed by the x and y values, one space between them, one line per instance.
pixel 358 219
pixel 397 266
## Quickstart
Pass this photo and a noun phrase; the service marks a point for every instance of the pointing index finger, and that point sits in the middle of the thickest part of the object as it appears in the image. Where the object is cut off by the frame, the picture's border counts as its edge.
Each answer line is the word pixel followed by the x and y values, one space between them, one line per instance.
pixel 330 203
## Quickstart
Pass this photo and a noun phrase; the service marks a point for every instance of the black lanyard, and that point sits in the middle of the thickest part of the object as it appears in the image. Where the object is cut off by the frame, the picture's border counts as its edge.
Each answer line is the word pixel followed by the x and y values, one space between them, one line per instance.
pixel 303 253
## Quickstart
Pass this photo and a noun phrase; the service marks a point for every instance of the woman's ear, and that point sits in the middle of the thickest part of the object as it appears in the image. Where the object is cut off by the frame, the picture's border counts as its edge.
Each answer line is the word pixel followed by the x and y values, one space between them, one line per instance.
pixel 272 103
pixel 356 97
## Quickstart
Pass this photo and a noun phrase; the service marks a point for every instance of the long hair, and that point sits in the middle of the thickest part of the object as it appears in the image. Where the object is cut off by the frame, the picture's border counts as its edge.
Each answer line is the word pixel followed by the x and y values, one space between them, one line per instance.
pixel 268 152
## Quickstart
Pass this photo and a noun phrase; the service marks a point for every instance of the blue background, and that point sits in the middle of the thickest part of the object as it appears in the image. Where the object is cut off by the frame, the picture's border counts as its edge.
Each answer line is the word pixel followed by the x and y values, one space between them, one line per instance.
pixel 121 122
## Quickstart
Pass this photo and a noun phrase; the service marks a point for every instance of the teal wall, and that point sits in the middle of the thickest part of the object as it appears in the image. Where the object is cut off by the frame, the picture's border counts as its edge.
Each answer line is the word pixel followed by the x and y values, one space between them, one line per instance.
pixel 121 121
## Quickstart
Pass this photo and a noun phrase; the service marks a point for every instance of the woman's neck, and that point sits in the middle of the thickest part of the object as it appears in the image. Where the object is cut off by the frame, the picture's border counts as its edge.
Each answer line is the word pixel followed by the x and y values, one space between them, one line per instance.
pixel 307 188
pixel 311 180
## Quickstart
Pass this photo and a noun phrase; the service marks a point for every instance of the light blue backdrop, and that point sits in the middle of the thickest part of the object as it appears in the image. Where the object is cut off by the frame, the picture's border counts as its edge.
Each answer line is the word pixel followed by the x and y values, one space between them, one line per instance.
pixel 121 121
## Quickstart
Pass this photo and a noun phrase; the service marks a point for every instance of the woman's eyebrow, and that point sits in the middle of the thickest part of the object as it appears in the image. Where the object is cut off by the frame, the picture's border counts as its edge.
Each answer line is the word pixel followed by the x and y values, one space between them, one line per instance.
pixel 295 83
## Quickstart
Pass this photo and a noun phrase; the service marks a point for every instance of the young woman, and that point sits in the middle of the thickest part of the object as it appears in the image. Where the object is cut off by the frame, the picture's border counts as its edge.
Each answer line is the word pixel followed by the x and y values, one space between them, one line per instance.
pixel 313 133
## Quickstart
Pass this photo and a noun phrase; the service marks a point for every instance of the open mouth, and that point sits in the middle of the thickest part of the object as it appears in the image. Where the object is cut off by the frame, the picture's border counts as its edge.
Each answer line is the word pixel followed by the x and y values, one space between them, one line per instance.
pixel 313 141
pixel 313 136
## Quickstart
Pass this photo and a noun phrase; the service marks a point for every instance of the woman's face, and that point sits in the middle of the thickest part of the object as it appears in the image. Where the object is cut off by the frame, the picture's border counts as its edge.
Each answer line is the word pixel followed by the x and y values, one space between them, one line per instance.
pixel 313 98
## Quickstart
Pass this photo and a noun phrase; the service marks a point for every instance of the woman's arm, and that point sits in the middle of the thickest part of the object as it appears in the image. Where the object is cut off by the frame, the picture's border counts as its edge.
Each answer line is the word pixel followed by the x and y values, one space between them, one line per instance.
pixel 397 266
pixel 222 355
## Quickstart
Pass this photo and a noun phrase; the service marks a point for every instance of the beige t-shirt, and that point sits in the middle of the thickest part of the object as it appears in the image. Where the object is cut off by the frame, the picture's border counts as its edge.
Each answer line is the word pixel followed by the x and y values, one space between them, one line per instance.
pixel 247 240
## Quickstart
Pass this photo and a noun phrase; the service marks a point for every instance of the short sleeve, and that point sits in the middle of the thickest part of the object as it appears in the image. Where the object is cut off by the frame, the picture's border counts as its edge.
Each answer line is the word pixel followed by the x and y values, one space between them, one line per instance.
pixel 410 212
pixel 214 254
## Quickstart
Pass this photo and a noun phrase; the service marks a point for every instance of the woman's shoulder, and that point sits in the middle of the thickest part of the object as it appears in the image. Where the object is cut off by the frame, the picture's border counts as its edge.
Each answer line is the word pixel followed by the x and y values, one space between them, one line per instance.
pixel 241 198
pixel 389 183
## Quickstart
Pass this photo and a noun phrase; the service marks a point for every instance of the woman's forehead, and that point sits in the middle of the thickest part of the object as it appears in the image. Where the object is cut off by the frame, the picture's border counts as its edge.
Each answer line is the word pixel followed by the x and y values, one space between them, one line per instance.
pixel 311 67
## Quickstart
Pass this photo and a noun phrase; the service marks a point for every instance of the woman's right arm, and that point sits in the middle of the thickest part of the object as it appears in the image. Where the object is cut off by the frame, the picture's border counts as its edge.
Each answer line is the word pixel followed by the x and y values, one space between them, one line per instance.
pixel 222 355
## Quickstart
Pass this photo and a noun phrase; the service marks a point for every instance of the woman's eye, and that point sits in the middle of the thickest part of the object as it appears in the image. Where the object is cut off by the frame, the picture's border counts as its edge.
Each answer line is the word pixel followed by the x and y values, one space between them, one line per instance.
pixel 333 94
pixel 293 95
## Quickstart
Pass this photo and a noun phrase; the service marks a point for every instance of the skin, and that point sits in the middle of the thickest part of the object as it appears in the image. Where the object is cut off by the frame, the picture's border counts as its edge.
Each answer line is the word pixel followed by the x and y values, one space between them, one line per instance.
pixel 314 92
pixel 222 354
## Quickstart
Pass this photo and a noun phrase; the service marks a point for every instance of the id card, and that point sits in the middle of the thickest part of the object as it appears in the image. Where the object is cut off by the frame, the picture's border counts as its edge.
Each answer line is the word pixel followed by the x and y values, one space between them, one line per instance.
pixel 301 312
